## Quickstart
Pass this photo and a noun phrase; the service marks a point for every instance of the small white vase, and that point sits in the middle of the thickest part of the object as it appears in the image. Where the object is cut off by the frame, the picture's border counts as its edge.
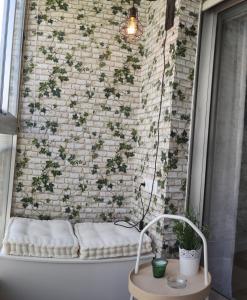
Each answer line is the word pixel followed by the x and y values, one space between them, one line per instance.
pixel 189 261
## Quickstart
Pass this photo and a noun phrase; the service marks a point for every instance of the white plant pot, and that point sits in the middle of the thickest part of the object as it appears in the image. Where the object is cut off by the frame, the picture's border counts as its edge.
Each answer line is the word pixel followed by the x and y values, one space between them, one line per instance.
pixel 189 261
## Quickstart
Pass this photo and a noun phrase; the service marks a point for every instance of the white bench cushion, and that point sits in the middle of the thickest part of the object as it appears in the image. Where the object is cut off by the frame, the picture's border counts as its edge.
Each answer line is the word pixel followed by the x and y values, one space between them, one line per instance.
pixel 29 237
pixel 105 240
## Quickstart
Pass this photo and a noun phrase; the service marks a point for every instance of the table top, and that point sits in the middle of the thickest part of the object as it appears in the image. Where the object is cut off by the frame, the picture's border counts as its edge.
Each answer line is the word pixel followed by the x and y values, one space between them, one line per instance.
pixel 143 286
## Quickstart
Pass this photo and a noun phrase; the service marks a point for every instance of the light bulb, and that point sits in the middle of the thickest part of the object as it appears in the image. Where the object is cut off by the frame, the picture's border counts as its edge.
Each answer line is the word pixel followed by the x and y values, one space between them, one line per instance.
pixel 132 26
pixel 131 29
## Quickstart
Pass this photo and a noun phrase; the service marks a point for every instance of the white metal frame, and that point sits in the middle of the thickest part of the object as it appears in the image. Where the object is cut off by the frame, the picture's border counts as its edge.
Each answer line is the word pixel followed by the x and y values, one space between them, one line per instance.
pixel 16 57
pixel 13 23
pixel 210 3
pixel 6 50
pixel 202 113
pixel 11 185
pixel 3 38
pixel 8 44
pixel 194 90
pixel 180 218
pixel 225 3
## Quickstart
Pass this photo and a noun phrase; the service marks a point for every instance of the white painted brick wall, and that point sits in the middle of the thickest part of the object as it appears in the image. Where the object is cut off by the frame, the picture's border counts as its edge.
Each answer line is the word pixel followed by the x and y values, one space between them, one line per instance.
pixel 144 99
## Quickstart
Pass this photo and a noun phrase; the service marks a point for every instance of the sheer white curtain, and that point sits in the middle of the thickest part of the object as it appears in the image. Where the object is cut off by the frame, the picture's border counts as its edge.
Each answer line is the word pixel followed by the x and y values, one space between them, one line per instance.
pixel 225 146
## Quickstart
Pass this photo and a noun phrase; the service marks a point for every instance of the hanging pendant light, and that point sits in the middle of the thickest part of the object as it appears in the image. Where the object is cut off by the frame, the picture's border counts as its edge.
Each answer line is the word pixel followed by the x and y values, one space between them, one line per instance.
pixel 131 29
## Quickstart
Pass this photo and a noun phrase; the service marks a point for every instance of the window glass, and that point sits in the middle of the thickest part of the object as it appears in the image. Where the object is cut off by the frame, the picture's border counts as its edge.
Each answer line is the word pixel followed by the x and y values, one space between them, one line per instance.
pixel 5 166
pixel 13 93
pixel 11 30
pixel 1 17
pixel 7 44
pixel 2 44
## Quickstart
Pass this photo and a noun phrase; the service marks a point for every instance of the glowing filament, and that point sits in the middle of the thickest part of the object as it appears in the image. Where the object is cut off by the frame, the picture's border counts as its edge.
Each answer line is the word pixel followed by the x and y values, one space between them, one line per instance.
pixel 132 26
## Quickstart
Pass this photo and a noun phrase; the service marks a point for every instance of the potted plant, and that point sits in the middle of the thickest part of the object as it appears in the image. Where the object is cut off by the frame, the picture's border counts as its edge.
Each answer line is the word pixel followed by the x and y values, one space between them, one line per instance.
pixel 190 244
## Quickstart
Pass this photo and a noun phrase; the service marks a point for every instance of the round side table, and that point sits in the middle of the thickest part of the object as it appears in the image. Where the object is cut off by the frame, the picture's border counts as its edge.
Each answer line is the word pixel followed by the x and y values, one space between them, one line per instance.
pixel 143 286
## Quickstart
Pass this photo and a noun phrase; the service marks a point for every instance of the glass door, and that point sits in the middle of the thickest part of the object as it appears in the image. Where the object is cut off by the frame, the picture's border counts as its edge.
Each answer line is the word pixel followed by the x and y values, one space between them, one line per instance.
pixel 224 155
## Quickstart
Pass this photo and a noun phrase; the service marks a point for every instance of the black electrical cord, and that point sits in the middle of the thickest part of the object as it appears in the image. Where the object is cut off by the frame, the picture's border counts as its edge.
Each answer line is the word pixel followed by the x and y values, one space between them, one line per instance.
pixel 132 225
pixel 140 223
pixel 158 126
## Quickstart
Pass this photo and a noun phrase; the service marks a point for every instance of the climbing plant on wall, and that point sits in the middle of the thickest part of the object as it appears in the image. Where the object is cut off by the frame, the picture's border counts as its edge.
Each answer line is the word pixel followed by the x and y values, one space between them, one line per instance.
pixel 80 132
pixel 106 90
pixel 174 143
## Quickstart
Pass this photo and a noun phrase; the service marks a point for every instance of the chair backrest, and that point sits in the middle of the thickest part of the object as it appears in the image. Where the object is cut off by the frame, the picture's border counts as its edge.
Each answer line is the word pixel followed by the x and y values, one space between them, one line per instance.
pixel 180 218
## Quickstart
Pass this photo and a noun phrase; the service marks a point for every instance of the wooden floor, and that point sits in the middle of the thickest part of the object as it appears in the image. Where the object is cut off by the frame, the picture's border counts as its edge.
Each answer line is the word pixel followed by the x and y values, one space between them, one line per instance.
pixel 239 276
pixel 216 296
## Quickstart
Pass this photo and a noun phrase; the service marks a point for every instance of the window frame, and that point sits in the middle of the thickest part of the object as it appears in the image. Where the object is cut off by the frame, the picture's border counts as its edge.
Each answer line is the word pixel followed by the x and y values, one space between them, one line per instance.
pixel 13 23
pixel 6 47
pixel 11 11
pixel 203 97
